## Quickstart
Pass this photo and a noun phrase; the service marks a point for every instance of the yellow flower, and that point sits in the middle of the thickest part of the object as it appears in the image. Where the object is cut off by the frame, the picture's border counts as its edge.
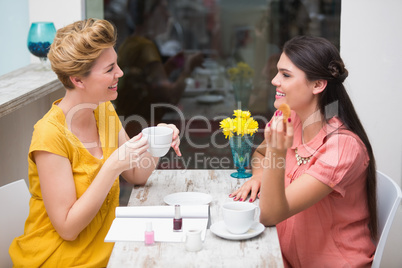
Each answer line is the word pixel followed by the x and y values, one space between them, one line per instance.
pixel 242 114
pixel 239 125
pixel 241 71
pixel 233 73
pixel 237 113
pixel 245 114
pixel 250 126
pixel 228 127
pixel 242 124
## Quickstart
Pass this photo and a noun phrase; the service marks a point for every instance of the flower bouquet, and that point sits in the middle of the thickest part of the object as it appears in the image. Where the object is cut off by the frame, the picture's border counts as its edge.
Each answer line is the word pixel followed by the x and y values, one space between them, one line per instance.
pixel 241 77
pixel 240 132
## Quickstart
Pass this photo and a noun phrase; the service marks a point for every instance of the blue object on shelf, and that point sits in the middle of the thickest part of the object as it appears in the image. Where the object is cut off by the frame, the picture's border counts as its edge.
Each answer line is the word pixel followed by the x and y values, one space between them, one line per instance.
pixel 40 37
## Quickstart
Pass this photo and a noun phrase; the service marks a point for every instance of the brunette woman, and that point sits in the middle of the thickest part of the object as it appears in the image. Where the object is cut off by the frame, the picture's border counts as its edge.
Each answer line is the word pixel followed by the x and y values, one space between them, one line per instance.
pixel 316 179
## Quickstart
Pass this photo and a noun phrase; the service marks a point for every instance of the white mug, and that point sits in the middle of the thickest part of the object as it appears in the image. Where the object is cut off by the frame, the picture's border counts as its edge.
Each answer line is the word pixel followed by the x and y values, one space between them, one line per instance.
pixel 159 139
pixel 239 216
pixel 193 240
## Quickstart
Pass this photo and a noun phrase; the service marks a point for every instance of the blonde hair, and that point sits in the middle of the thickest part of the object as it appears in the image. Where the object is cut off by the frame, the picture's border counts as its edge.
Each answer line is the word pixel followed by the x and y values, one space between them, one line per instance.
pixel 77 46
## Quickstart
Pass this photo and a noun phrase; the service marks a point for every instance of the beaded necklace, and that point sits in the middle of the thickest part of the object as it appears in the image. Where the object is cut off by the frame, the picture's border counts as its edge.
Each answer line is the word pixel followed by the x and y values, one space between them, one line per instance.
pixel 301 160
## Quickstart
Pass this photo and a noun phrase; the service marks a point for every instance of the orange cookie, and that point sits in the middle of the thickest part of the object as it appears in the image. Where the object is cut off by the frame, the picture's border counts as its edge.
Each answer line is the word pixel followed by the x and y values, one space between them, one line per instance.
pixel 285 109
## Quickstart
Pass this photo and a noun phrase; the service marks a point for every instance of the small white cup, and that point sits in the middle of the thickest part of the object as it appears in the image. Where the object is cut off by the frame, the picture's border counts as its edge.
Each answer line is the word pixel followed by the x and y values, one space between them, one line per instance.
pixel 159 139
pixel 239 216
pixel 193 240
pixel 190 83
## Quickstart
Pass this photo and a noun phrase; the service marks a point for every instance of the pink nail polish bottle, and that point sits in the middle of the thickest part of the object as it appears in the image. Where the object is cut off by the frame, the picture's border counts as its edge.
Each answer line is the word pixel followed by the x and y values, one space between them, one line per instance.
pixel 177 221
pixel 149 235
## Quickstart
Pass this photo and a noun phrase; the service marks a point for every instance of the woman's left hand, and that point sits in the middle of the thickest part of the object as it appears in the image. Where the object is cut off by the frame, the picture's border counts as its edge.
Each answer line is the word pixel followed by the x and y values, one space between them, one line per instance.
pixel 175 139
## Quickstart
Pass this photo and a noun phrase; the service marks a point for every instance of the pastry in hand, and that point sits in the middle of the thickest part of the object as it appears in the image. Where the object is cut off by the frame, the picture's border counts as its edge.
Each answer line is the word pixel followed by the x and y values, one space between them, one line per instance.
pixel 285 109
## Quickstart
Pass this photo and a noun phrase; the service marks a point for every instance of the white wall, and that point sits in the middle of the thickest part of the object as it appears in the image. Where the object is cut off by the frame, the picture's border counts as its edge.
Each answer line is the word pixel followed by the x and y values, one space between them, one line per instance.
pixel 371 46
pixel 19 14
pixel 60 12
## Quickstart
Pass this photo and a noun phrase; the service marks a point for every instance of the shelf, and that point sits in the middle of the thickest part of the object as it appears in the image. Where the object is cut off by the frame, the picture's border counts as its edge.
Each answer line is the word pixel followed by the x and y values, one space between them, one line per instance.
pixel 24 86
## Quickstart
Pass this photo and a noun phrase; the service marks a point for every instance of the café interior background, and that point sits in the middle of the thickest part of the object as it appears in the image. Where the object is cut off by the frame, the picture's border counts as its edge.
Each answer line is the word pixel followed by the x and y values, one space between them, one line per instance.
pixel 228 32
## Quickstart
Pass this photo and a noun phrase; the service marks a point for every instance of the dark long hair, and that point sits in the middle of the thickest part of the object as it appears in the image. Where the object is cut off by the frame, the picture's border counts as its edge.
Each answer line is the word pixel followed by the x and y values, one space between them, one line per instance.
pixel 319 59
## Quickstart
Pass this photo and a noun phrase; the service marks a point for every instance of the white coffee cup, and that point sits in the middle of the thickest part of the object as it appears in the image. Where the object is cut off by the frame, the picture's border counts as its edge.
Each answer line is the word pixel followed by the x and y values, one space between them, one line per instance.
pixel 193 240
pixel 159 139
pixel 239 216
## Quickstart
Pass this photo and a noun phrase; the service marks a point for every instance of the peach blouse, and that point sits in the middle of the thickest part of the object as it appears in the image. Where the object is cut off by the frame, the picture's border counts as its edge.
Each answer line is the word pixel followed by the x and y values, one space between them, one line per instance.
pixel 333 232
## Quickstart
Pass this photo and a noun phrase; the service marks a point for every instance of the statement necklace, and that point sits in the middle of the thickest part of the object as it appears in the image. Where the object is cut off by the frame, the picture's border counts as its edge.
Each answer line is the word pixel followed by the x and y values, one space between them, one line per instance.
pixel 301 160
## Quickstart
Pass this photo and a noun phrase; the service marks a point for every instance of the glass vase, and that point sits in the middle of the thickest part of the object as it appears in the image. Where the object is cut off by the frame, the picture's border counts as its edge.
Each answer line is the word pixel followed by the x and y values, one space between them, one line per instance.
pixel 242 90
pixel 40 37
pixel 241 152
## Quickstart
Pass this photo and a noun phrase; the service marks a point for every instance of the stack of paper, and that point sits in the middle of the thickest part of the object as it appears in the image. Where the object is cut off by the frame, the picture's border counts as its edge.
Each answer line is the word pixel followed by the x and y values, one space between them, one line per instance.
pixel 130 223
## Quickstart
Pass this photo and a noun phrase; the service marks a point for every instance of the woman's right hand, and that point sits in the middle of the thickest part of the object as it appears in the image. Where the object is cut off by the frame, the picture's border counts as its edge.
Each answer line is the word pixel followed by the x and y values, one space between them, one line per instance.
pixel 130 153
pixel 251 187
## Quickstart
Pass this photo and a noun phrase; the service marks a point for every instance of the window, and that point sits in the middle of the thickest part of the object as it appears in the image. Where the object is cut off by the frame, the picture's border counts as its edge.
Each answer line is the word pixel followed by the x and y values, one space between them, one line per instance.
pixel 226 32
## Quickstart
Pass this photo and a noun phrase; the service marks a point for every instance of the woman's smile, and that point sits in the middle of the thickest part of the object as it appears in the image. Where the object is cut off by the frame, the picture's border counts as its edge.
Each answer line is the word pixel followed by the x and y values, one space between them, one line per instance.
pixel 113 87
pixel 279 94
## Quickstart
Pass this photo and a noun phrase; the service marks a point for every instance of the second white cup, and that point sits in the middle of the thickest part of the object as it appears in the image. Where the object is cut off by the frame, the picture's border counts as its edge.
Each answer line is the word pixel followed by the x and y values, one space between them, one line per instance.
pixel 159 139
pixel 239 216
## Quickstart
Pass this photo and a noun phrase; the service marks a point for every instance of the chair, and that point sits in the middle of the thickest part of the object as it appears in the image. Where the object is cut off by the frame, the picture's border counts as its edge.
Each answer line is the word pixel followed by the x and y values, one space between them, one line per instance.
pixel 14 208
pixel 388 199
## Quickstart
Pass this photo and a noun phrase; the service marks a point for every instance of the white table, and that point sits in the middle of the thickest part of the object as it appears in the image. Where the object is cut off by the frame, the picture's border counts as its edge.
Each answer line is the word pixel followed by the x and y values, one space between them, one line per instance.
pixel 260 251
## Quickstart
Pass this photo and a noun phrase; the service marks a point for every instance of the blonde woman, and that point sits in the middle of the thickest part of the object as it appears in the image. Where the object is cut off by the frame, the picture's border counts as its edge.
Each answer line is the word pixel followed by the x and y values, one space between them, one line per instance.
pixel 78 150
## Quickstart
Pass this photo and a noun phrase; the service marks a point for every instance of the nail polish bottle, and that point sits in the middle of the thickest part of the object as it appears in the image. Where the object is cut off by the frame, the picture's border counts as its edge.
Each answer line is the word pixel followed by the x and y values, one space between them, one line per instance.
pixel 177 220
pixel 149 235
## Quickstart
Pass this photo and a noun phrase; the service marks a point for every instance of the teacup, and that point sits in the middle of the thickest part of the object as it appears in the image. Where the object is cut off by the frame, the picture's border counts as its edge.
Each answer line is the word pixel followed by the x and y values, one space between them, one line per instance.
pixel 239 216
pixel 159 139
pixel 193 240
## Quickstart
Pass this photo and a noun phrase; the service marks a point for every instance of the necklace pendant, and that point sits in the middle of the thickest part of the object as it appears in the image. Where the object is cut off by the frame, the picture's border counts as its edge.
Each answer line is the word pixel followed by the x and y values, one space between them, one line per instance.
pixel 301 160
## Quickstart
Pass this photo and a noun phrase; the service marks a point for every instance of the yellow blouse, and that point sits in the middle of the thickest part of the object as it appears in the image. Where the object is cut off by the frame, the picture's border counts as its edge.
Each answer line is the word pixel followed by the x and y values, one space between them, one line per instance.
pixel 41 245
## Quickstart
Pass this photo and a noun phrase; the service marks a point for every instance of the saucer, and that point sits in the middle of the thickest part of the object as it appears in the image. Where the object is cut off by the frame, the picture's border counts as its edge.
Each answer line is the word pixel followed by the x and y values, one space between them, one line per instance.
pixel 188 198
pixel 191 92
pixel 209 99
pixel 219 229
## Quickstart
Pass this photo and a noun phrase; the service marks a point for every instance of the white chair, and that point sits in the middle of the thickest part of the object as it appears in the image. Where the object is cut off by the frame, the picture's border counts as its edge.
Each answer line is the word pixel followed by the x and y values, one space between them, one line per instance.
pixel 388 199
pixel 14 208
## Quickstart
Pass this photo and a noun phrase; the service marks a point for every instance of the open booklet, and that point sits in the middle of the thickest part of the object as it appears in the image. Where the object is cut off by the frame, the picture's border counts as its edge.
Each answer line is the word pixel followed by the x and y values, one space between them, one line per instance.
pixel 130 223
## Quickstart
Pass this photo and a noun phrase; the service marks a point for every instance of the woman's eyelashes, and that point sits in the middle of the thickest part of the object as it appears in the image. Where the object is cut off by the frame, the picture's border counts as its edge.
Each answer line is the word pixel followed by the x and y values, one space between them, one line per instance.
pixel 111 67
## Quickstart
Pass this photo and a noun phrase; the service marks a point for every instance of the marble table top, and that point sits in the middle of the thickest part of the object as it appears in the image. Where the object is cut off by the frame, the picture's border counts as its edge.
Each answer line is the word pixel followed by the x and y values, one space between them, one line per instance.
pixel 260 251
